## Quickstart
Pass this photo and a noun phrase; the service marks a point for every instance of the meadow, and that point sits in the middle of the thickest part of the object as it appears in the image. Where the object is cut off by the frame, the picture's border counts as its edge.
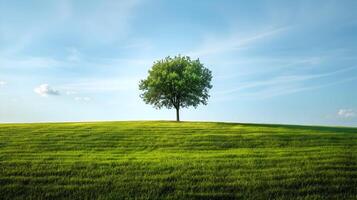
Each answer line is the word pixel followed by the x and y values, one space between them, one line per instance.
pixel 169 160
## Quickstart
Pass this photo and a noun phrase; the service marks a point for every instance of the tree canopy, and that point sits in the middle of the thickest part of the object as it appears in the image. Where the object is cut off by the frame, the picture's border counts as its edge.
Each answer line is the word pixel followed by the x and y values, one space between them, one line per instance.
pixel 176 82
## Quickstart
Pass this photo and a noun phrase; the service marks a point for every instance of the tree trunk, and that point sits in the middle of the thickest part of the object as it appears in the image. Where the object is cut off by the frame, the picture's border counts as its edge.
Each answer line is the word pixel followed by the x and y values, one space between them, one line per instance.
pixel 178 114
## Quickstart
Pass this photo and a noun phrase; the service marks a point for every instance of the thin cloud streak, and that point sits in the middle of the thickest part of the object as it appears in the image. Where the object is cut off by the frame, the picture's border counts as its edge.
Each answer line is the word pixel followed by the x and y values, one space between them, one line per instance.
pixel 278 91
pixel 283 80
pixel 215 46
pixel 292 90
pixel 278 64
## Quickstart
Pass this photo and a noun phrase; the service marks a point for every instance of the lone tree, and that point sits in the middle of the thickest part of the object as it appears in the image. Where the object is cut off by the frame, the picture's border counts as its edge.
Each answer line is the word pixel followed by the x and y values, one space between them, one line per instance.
pixel 177 82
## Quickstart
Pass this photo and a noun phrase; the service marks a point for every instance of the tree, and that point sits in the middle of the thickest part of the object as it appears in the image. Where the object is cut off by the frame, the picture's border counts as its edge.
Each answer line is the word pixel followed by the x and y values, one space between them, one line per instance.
pixel 177 82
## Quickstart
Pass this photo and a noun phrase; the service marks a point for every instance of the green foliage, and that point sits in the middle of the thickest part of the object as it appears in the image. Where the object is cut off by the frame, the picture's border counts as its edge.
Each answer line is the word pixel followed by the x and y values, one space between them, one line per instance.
pixel 166 160
pixel 177 82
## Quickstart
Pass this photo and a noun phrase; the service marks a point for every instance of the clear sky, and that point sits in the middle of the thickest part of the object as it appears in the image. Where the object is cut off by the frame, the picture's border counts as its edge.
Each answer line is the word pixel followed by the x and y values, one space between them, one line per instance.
pixel 273 61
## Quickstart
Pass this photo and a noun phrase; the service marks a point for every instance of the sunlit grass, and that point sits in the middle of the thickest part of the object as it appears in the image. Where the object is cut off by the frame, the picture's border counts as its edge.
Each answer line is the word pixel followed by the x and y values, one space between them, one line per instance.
pixel 169 160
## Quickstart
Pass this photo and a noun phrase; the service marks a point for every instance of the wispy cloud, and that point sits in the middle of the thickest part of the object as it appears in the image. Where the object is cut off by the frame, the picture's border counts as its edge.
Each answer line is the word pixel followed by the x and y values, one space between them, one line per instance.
pixel 110 21
pixel 346 113
pixel 82 99
pixel 104 23
pixel 285 84
pixel 233 42
pixel 3 83
pixel 294 88
pixel 71 92
pixel 45 90
pixel 282 80
pixel 243 68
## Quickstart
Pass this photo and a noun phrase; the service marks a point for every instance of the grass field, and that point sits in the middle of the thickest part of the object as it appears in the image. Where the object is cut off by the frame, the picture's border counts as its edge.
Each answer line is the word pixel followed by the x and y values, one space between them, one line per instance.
pixel 168 160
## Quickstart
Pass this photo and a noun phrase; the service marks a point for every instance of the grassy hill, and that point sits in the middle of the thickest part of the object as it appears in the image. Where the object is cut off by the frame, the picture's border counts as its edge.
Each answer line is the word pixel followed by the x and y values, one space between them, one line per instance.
pixel 168 160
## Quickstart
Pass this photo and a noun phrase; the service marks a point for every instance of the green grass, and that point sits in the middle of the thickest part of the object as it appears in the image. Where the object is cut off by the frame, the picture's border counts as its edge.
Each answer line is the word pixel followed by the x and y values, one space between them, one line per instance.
pixel 168 160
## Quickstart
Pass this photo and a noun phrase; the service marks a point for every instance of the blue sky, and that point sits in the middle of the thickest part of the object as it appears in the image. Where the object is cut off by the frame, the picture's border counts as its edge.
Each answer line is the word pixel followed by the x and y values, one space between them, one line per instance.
pixel 273 61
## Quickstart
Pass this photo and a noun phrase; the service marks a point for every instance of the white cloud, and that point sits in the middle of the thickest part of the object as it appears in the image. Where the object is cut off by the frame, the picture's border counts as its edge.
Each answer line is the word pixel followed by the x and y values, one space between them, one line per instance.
pixel 45 90
pixel 346 113
pixel 82 98
pixel 2 83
